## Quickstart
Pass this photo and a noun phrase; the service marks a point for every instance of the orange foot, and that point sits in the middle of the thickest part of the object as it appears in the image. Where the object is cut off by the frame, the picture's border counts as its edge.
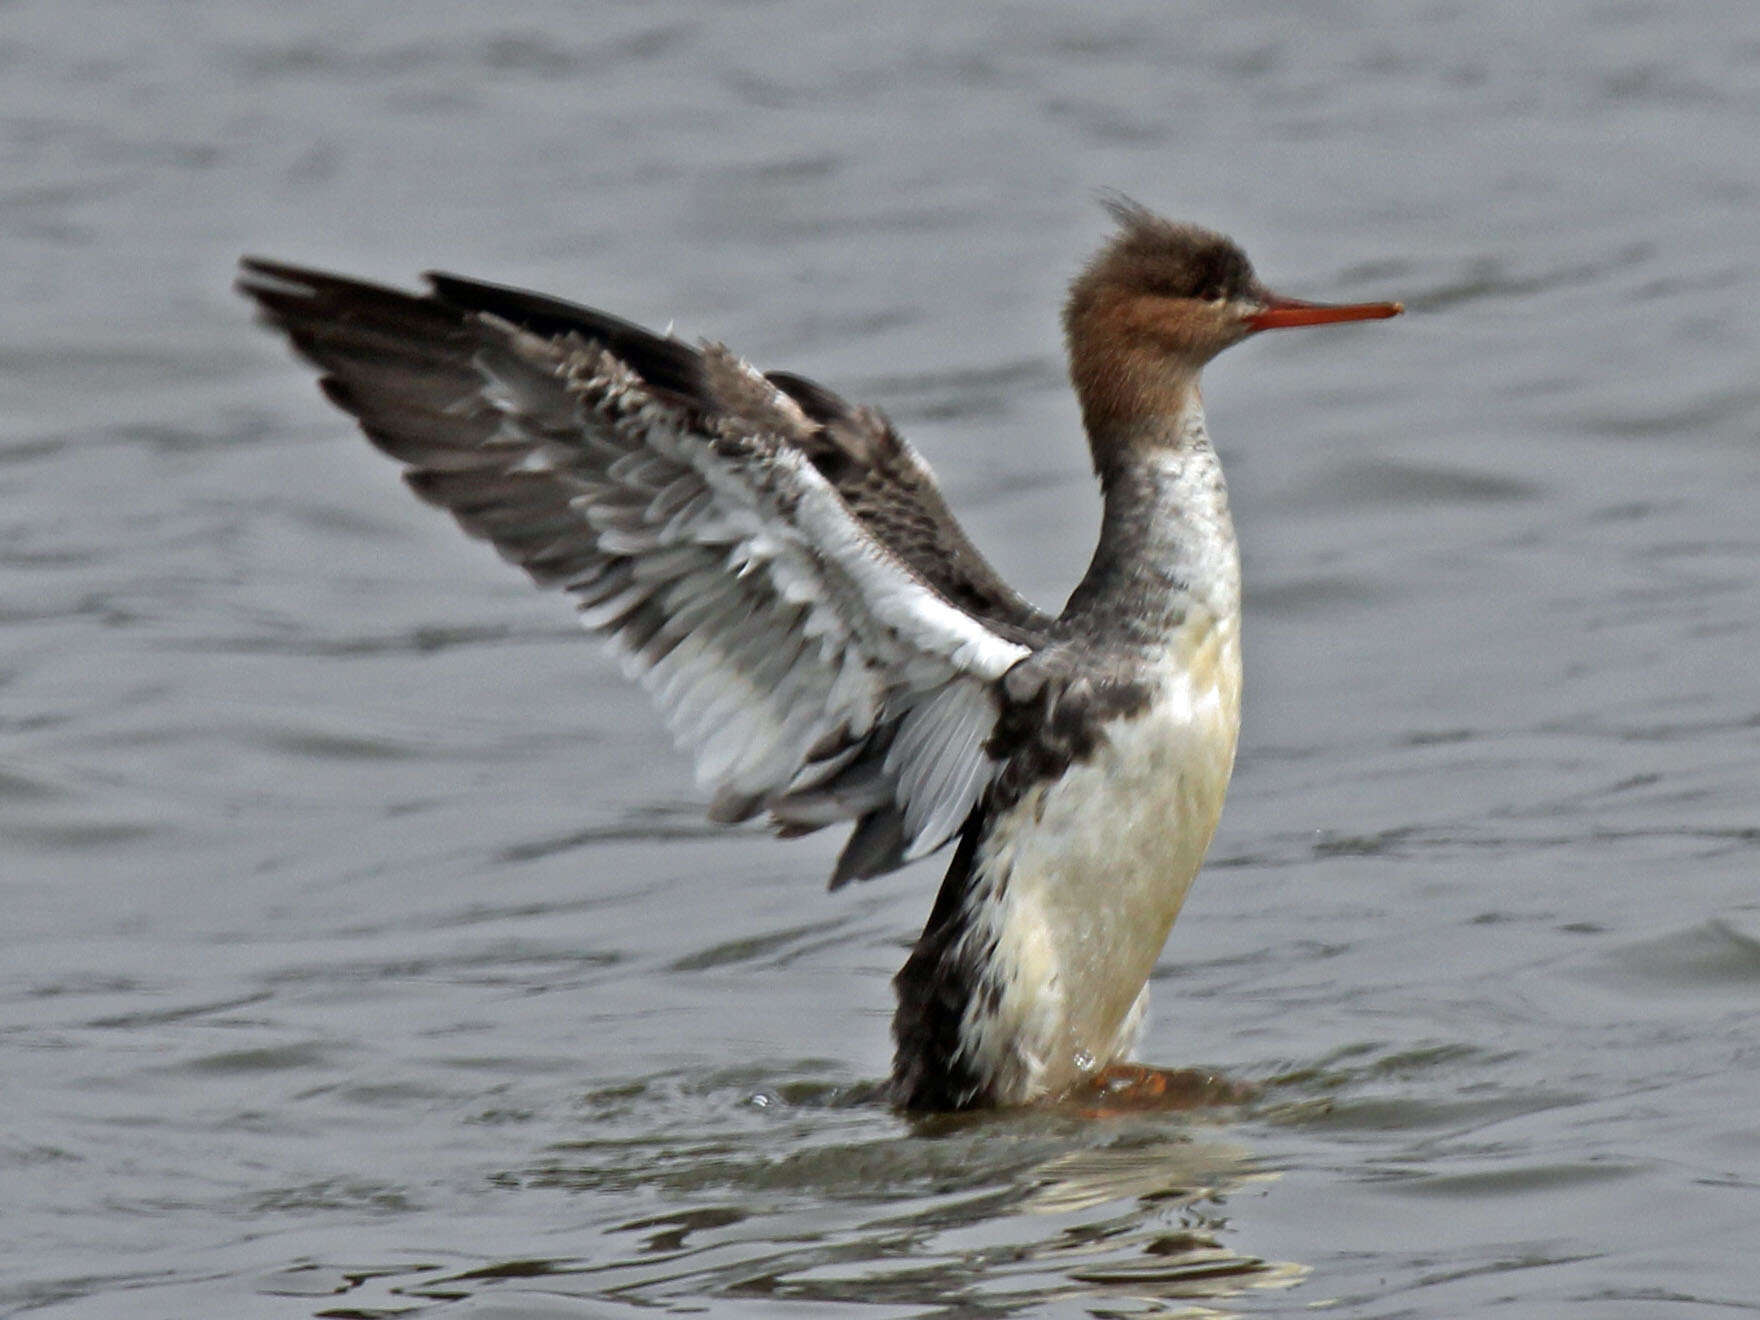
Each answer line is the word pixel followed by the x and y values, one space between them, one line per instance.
pixel 1135 1088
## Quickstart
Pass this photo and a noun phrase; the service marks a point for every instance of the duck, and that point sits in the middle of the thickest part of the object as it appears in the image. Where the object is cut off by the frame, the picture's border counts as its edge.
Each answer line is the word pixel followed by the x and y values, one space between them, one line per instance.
pixel 780 570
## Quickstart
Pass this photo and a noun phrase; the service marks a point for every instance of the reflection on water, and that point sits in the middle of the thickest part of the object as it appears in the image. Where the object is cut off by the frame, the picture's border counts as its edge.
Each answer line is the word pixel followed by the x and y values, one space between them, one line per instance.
pixel 996 1214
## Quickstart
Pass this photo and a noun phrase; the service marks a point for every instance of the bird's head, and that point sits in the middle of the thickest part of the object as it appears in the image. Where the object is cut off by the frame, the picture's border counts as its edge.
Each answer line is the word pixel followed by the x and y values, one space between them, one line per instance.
pixel 1158 302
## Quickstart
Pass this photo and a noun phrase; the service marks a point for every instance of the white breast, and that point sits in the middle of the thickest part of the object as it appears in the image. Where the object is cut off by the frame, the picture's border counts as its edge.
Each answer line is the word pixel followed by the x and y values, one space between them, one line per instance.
pixel 1084 876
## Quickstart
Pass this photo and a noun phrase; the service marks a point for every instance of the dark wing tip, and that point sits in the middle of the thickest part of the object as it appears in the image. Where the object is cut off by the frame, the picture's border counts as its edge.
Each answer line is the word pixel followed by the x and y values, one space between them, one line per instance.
pixel 276 270
pixel 263 275
pixel 665 363
pixel 269 284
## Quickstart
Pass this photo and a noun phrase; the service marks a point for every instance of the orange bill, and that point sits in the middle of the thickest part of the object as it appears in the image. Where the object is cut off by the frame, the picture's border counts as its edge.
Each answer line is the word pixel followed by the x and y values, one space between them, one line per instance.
pixel 1288 313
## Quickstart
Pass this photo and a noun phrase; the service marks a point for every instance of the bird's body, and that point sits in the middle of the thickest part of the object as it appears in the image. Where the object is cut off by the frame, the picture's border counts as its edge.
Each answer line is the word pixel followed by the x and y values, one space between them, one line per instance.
pixel 1117 742
pixel 781 572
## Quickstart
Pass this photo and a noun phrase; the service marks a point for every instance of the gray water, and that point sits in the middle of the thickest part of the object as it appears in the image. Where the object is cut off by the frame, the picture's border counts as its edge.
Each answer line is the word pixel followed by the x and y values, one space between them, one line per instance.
pixel 363 951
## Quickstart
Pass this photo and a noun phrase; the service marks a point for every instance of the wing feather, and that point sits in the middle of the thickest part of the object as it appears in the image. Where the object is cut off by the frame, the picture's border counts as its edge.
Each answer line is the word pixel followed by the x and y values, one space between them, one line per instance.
pixel 714 524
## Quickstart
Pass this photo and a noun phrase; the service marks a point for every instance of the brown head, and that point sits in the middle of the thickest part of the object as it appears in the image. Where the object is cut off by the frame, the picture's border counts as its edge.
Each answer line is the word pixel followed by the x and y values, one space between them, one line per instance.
pixel 1158 302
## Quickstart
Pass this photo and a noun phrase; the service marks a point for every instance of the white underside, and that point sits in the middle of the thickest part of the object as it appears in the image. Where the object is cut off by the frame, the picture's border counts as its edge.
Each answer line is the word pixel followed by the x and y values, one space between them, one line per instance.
pixel 1081 880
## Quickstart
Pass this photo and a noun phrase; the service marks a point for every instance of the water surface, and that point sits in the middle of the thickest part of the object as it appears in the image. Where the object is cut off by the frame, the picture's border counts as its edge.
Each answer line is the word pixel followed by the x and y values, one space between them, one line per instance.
pixel 364 951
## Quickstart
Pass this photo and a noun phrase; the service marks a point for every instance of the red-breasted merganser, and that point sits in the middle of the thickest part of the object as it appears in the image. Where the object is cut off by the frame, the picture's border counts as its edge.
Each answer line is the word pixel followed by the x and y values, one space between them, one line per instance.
pixel 779 569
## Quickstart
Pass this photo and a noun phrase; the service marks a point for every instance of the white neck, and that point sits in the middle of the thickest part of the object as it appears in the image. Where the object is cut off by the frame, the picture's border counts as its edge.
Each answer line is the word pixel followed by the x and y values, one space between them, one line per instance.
pixel 1167 546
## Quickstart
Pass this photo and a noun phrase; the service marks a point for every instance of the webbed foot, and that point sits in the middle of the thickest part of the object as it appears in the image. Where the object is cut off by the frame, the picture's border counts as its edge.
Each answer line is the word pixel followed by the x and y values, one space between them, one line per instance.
pixel 1135 1088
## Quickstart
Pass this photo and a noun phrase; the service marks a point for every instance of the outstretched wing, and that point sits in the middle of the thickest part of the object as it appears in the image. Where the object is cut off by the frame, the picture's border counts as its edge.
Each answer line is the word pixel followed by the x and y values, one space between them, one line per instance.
pixel 816 628
pixel 882 479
